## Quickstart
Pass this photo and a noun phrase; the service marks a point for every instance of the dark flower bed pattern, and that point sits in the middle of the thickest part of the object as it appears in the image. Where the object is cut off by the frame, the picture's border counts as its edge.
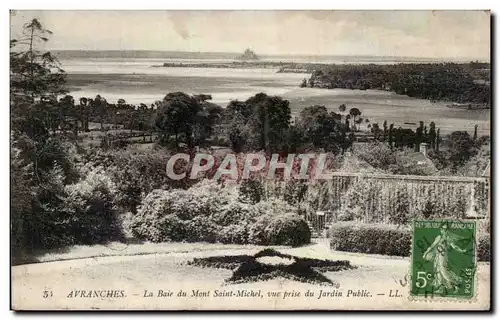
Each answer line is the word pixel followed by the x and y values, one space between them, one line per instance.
pixel 247 268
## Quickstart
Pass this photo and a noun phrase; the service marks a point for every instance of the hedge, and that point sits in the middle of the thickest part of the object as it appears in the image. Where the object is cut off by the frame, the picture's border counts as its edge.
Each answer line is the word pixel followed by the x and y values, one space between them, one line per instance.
pixel 370 238
pixel 385 239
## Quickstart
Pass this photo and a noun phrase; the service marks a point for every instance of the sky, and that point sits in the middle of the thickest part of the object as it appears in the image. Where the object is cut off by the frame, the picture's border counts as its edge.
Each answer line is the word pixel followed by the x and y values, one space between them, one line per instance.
pixel 424 34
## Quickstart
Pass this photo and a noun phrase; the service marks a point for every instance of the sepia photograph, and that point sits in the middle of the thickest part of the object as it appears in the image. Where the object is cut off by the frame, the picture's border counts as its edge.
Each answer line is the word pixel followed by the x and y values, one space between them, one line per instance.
pixel 249 160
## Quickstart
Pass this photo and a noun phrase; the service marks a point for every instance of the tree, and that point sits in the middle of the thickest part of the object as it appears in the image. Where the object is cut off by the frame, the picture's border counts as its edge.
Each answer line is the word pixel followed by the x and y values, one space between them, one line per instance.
pixel 438 139
pixel 66 108
pixel 354 112
pixel 34 74
pixel 419 136
pixel 431 138
pixel 461 147
pixel 84 113
pixel 206 119
pixel 99 107
pixel 342 107
pixel 322 129
pixel 385 130
pixel 475 133
pixel 176 115
pixel 376 131
pixel 40 166
pixel 404 138
pixel 296 138
pixel 237 125
pixel 391 135
pixel 121 102
pixel 271 121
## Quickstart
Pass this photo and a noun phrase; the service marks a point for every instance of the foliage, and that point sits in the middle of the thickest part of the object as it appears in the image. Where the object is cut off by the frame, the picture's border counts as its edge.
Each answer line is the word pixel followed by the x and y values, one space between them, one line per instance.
pixel 39 170
pixel 462 155
pixel 370 238
pixel 460 145
pixel 34 74
pixel 324 130
pixel 251 191
pixel 90 206
pixel 259 123
pixel 433 81
pixel 355 199
pixel 404 162
pixel 484 247
pixel 211 212
pixel 22 200
pixel 177 115
pixel 401 210
pixel 283 229
pixel 136 173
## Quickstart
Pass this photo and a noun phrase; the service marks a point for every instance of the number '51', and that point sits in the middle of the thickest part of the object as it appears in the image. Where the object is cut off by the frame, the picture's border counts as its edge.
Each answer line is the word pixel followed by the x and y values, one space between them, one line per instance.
pixel 47 294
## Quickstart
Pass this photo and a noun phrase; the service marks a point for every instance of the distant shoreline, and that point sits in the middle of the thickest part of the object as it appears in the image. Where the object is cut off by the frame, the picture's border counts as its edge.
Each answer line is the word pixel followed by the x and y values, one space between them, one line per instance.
pixel 281 66
pixel 224 65
pixel 157 54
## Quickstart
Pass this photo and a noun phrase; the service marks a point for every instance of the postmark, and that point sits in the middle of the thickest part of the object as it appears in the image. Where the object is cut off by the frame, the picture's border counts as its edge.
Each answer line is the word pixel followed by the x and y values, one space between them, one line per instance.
pixel 443 259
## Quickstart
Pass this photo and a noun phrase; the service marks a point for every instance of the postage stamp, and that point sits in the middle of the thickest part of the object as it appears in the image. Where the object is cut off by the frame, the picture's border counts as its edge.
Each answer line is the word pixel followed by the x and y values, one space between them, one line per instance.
pixel 443 259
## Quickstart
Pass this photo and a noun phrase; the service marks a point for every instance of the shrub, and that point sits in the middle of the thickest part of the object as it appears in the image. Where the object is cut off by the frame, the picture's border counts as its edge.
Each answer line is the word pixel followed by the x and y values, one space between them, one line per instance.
pixel 344 217
pixel 138 173
pixel 279 224
pixel 186 215
pixel 381 156
pixel 211 212
pixel 370 238
pixel 39 169
pixel 401 208
pixel 284 229
pixel 484 247
pixel 356 201
pixel 251 191
pixel 147 222
pixel 90 205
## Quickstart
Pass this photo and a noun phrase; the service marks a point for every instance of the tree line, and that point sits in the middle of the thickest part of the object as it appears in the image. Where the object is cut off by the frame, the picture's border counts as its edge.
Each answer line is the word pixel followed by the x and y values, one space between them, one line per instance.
pixel 462 83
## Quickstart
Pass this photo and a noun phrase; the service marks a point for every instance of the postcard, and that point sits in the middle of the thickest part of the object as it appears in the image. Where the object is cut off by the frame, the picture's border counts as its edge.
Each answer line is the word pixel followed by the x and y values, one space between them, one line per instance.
pixel 250 160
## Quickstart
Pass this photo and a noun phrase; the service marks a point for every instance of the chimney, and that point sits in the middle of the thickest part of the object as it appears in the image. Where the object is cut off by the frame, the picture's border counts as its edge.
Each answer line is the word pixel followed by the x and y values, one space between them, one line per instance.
pixel 423 148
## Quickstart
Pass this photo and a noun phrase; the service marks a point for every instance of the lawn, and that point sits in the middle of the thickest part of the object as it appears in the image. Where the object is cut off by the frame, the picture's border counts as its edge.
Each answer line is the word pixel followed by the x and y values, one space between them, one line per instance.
pixel 130 249
pixel 140 268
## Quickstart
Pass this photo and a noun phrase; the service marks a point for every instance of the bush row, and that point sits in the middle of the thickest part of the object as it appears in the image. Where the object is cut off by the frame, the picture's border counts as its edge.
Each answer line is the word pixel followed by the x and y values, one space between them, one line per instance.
pixel 370 238
pixel 385 239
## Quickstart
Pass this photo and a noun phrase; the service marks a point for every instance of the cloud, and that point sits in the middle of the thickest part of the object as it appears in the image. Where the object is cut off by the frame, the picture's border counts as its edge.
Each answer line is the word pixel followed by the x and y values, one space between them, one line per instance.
pixel 179 21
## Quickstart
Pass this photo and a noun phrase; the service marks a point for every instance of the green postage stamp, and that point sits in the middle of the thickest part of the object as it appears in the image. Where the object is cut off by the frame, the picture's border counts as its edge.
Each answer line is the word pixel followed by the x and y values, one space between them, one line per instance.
pixel 443 259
